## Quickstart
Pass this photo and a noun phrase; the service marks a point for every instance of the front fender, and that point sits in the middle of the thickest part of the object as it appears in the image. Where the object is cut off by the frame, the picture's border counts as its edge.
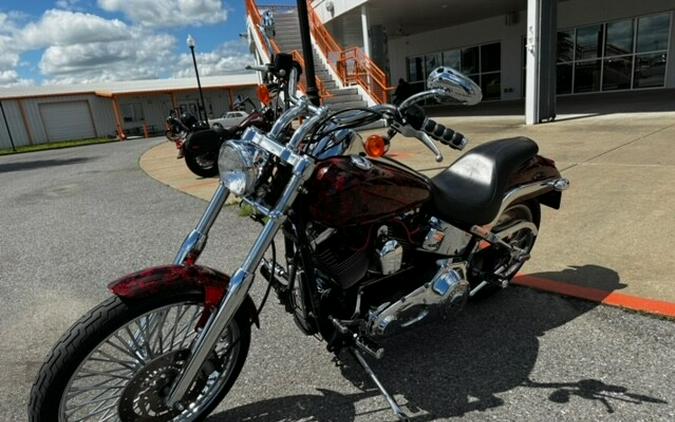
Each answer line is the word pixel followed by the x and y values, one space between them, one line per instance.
pixel 178 279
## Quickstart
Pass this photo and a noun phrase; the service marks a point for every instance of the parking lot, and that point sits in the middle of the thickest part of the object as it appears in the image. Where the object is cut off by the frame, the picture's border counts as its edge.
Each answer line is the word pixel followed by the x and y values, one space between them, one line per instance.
pixel 75 219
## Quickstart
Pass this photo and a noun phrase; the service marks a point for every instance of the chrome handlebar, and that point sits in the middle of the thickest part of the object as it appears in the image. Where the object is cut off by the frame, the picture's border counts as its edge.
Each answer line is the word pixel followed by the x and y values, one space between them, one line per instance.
pixel 302 107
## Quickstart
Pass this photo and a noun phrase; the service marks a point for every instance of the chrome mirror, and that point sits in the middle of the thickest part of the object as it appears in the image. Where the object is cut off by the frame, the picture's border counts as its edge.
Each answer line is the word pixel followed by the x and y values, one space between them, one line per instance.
pixel 455 85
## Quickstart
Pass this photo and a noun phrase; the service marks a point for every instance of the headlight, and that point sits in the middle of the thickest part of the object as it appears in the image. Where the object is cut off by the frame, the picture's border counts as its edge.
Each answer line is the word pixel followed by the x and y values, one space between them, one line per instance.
pixel 239 164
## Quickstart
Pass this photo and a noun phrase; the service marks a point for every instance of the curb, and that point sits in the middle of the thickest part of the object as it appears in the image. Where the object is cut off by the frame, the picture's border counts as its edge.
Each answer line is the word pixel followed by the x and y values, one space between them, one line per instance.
pixel 614 299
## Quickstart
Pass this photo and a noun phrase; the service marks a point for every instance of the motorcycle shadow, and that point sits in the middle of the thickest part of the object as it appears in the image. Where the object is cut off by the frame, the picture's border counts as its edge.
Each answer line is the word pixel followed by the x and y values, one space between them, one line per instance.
pixel 448 369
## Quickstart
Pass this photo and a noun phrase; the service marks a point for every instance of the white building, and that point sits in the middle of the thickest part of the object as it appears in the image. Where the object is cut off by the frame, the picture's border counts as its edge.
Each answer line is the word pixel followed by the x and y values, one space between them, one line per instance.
pixel 509 46
pixel 43 114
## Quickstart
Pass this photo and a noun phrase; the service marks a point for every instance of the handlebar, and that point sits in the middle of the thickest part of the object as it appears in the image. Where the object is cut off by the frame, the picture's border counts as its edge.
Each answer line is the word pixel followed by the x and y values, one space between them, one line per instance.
pixel 418 120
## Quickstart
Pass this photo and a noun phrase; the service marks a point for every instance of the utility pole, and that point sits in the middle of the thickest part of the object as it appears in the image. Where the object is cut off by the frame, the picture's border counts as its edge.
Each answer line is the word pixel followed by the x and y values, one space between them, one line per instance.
pixel 308 53
pixel 9 133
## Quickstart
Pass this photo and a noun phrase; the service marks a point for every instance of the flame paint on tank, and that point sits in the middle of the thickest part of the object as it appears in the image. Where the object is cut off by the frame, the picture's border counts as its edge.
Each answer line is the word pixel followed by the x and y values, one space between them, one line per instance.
pixel 342 194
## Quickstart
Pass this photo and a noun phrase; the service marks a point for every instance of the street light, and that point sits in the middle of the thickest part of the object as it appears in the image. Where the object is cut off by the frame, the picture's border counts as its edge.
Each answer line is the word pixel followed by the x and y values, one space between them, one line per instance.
pixel 202 107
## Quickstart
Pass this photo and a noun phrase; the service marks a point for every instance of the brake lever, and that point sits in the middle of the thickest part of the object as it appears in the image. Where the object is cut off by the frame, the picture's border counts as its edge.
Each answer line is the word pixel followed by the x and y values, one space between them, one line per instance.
pixel 407 130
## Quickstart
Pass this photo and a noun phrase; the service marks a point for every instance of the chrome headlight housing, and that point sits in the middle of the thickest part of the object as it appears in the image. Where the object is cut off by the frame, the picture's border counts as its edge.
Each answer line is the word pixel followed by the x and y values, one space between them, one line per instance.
pixel 239 164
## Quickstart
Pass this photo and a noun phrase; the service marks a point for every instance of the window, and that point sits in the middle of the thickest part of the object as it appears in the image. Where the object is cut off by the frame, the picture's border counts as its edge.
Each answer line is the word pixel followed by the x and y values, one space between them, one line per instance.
pixel 480 63
pixel 132 112
pixel 623 54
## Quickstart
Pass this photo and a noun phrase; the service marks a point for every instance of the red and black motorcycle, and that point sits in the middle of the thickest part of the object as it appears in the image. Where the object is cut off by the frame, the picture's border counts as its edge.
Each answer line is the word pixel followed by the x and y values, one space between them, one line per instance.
pixel 371 248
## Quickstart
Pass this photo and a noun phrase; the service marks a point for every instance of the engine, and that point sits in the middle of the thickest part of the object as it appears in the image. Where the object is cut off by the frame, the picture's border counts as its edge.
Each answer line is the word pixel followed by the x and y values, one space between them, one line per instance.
pixel 444 295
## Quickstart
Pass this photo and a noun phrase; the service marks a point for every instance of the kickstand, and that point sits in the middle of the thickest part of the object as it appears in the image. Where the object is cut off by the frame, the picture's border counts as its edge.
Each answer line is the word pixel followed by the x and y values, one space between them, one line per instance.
pixel 392 403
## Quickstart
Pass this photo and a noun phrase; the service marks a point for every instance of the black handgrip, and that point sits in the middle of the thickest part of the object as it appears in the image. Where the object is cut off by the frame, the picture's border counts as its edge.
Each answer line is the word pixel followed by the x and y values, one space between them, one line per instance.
pixel 416 118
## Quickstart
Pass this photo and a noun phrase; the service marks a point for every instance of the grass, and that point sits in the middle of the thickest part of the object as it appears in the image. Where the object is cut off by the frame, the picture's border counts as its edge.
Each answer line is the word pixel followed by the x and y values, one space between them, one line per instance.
pixel 55 145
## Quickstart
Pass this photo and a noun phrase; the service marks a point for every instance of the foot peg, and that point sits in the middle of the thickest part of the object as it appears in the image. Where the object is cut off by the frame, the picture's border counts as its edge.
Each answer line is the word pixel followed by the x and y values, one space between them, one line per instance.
pixel 392 403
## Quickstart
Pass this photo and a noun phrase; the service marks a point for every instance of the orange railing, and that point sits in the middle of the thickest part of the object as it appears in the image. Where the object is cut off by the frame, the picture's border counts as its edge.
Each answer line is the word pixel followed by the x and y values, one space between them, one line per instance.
pixel 351 65
pixel 256 18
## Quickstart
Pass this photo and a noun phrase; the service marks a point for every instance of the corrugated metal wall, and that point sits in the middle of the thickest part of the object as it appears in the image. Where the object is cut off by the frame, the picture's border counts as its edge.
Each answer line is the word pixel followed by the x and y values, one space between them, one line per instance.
pixel 16 125
pixel 101 114
pixel 155 110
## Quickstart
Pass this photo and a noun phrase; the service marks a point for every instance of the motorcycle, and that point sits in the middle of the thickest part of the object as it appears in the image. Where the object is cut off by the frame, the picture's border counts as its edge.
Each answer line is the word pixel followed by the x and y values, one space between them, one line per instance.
pixel 371 249
pixel 201 147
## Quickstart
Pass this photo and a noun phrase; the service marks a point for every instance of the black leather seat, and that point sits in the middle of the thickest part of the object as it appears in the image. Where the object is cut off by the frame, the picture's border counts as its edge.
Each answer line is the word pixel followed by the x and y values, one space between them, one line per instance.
pixel 470 191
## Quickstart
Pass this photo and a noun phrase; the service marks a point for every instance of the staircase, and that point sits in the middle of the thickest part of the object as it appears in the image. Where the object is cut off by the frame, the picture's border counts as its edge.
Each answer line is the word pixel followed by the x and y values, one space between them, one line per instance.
pixel 288 39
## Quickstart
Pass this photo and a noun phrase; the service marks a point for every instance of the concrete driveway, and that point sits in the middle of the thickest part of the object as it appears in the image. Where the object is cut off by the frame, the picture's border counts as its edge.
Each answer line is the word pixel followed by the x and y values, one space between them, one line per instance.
pixel 72 220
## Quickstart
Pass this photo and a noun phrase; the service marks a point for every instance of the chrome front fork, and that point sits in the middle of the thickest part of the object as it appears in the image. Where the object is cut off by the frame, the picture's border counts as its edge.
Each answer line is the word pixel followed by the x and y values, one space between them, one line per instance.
pixel 241 281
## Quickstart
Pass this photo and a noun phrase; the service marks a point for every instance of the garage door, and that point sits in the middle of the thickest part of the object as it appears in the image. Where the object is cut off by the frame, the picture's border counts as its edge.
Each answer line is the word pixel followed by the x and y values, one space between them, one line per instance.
pixel 66 121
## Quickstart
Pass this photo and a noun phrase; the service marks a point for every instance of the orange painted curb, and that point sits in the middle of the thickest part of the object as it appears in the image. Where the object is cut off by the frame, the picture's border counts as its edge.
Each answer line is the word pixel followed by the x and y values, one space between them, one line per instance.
pixel 618 300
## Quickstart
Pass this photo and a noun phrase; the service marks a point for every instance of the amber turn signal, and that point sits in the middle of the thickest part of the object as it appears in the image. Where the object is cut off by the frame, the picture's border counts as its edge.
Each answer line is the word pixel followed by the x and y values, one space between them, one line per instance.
pixel 375 146
pixel 263 94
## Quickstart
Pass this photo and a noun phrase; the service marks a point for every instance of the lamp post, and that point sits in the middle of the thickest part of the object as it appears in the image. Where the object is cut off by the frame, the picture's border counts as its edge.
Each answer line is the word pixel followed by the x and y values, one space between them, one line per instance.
pixel 202 107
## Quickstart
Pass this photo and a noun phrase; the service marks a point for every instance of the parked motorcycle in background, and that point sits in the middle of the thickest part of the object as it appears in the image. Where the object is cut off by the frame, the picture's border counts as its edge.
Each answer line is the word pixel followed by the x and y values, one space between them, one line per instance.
pixel 372 248
pixel 179 127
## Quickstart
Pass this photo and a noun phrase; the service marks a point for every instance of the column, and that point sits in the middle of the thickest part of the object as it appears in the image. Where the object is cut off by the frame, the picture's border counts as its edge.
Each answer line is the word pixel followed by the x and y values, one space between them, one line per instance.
pixel 364 29
pixel 540 76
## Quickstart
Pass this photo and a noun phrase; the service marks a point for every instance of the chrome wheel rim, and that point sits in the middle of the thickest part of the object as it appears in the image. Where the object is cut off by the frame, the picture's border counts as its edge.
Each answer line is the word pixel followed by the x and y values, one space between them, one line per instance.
pixel 96 390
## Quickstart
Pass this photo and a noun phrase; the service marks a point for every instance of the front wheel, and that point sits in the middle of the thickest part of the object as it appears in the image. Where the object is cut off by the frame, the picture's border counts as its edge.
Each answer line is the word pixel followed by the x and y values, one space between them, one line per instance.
pixel 118 362
pixel 204 165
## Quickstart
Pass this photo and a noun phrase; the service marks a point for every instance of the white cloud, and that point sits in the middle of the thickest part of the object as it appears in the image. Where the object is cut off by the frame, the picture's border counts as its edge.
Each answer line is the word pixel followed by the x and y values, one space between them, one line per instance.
pixel 68 4
pixel 83 47
pixel 230 57
pixel 144 56
pixel 168 13
pixel 62 28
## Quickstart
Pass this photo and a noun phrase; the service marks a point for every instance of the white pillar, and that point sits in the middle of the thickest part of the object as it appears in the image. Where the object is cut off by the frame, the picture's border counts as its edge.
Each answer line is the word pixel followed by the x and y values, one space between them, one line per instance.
pixel 532 72
pixel 364 29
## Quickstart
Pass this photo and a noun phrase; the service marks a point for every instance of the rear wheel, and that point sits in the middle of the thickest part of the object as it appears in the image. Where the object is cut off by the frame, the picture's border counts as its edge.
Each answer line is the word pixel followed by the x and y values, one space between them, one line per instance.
pixel 486 262
pixel 118 363
pixel 204 165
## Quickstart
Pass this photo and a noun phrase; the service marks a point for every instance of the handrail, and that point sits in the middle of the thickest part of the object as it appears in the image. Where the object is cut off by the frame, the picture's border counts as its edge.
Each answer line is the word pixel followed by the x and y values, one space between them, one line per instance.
pixel 352 65
pixel 256 18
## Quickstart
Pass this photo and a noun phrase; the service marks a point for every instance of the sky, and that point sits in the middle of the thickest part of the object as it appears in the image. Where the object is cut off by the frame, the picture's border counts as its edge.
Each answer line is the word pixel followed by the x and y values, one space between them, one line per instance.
pixel 86 41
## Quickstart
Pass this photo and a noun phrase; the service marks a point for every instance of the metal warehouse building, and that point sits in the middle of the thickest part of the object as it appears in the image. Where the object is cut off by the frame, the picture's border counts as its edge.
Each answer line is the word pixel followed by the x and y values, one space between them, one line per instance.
pixel 44 114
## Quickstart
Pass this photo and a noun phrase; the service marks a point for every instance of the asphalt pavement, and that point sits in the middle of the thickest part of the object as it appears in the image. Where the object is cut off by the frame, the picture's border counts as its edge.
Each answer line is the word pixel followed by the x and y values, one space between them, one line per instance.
pixel 74 219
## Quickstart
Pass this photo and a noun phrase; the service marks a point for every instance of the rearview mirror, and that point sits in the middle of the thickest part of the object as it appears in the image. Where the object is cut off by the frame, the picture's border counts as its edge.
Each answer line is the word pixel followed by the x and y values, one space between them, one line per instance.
pixel 455 85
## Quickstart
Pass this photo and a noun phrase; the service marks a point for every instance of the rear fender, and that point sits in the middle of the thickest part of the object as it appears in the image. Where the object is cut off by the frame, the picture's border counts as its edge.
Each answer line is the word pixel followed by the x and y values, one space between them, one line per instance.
pixel 206 141
pixel 179 279
pixel 536 169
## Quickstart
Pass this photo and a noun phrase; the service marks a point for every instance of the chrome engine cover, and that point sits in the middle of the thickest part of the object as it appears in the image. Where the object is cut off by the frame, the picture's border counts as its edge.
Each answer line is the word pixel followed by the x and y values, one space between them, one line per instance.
pixel 445 294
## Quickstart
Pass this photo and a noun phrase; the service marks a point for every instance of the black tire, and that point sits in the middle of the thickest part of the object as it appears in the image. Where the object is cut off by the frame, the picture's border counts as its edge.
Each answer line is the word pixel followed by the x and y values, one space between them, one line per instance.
pixel 202 165
pixel 535 215
pixel 94 328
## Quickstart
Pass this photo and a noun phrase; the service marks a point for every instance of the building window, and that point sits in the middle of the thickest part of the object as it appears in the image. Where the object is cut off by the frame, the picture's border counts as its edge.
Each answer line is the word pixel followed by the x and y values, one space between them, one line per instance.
pixel 132 112
pixel 619 55
pixel 481 63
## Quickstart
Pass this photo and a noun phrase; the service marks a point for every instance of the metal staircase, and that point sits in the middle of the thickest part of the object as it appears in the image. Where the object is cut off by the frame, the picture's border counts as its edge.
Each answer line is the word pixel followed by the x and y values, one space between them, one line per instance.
pixel 287 38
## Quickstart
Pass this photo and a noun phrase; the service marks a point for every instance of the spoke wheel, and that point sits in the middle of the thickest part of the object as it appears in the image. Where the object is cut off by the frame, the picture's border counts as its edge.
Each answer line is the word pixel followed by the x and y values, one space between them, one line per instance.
pixel 485 263
pixel 129 369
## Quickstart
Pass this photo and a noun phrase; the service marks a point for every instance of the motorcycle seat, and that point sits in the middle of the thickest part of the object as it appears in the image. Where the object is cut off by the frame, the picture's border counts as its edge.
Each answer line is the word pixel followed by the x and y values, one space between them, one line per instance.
pixel 470 190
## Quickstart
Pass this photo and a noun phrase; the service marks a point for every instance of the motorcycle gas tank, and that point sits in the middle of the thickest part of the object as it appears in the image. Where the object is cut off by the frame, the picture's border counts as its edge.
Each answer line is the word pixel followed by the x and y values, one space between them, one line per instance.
pixel 351 190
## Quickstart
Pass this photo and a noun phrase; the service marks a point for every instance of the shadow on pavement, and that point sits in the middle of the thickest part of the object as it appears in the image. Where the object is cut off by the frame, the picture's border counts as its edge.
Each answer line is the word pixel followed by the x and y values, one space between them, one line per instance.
pixel 449 369
pixel 32 165
pixel 593 276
